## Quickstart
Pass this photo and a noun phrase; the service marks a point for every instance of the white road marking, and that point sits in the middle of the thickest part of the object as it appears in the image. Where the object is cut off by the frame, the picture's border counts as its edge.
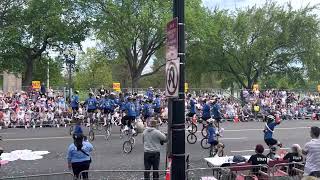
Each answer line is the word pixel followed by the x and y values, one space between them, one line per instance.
pixel 7 133
pixel 239 138
pixel 43 138
pixel 239 130
pixel 240 151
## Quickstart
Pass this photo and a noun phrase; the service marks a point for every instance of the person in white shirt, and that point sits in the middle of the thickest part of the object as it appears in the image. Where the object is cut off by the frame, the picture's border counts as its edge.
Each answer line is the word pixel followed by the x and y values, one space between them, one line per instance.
pixel 312 152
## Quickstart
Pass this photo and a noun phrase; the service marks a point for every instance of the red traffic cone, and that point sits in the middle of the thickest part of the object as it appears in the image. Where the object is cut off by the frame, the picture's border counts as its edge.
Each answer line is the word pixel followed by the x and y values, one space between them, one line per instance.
pixel 168 176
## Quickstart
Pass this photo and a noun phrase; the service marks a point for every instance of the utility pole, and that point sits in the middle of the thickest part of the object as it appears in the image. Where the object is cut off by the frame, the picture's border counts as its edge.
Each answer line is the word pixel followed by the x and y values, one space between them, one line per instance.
pixel 176 105
pixel 48 75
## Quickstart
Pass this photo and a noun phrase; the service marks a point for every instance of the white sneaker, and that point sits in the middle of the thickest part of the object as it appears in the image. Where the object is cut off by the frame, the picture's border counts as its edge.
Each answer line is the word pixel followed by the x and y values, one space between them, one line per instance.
pixel 40 126
pixel 58 125
pixel 133 131
pixel 125 128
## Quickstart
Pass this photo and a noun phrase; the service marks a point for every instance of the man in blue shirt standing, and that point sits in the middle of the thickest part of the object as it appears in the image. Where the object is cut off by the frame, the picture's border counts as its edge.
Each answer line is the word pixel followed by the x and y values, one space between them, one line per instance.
pixel 147 111
pixel 205 110
pixel 192 106
pixel 216 110
pixel 75 102
pixel 149 93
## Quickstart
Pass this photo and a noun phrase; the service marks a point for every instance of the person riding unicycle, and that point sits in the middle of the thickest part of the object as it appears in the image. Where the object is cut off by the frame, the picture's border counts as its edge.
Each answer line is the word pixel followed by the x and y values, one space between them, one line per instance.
pixel 268 134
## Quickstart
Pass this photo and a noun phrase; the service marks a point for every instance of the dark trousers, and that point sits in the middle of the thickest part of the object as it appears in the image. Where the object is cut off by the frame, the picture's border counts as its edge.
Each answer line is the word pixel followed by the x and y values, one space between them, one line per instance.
pixel 315 174
pixel 151 159
pixel 79 167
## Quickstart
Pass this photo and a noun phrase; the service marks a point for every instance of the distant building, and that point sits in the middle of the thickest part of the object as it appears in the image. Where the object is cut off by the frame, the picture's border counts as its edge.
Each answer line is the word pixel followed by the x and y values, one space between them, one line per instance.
pixel 11 82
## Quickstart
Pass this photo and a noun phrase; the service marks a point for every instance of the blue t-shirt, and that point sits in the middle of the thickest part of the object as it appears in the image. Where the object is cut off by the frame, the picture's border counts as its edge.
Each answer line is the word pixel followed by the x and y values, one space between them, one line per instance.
pixel 131 109
pixel 138 108
pixel 147 110
pixel 206 111
pixel 157 103
pixel 216 110
pixel 91 103
pixel 107 103
pixel 75 101
pixel 268 134
pixel 211 134
pixel 192 106
pixel 75 156
pixel 149 94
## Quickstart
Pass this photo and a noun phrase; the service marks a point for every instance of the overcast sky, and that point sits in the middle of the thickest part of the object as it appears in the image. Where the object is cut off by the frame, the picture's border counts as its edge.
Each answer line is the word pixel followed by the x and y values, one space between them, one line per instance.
pixel 232 4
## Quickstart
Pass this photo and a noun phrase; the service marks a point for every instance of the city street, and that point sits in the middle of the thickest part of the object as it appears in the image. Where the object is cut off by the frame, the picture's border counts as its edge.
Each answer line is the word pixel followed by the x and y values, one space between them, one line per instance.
pixel 239 138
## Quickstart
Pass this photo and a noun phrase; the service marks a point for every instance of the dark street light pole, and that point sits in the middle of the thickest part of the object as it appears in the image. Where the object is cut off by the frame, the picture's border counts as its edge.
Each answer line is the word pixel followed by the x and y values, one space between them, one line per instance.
pixel 178 105
pixel 70 62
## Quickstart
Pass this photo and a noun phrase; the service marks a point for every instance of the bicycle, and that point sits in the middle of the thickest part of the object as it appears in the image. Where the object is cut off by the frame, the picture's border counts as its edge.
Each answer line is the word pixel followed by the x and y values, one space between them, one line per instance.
pixel 130 142
pixel 107 128
pixel 192 138
pixel 192 125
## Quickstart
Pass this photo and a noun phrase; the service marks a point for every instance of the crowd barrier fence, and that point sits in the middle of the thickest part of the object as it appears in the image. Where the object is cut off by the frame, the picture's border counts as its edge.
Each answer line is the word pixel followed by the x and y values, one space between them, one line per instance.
pixel 52 176
pixel 120 174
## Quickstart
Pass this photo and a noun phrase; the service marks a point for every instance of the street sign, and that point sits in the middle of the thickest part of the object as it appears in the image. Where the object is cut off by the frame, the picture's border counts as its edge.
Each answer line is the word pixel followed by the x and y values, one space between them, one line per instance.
pixel 116 87
pixel 36 85
pixel 172 40
pixel 172 78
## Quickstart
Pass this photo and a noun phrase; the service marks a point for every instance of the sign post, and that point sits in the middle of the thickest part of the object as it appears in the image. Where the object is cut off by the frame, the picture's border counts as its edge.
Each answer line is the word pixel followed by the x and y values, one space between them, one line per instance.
pixel 175 56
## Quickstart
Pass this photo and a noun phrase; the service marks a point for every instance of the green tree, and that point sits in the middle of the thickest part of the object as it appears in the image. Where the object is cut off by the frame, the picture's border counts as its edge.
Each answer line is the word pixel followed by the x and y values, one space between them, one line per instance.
pixel 134 30
pixel 42 26
pixel 55 73
pixel 93 70
pixel 258 42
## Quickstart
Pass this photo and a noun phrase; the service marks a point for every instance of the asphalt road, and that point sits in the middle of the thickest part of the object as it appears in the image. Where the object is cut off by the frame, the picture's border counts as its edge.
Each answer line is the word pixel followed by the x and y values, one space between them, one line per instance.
pixel 239 138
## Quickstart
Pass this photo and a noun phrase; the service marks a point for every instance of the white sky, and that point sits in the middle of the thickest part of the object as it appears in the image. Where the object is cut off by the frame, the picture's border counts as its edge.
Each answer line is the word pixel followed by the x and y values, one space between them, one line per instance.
pixel 232 4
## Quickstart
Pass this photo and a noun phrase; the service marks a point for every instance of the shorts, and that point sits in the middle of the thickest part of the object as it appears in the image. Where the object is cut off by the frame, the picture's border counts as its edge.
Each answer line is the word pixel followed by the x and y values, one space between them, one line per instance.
pixel 157 110
pixel 107 111
pixel 190 114
pixel 218 119
pixel 271 142
pixel 91 110
pixel 214 142
pixel 205 118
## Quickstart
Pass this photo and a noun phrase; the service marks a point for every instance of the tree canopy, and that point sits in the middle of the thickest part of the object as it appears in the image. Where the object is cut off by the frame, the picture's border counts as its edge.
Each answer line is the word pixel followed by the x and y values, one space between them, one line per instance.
pixel 259 42
pixel 273 45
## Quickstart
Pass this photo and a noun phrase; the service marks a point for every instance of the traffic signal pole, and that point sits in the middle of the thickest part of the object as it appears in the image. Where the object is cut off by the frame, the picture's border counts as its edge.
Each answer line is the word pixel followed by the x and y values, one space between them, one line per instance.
pixel 177 105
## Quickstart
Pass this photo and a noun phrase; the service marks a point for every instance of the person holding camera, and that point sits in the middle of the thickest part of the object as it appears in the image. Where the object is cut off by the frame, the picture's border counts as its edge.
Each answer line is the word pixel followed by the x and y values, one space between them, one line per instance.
pixel 152 140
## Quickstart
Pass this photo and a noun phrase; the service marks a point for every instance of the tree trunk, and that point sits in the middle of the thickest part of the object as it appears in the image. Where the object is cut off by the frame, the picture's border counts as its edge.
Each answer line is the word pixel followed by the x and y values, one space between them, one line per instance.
pixel 28 73
pixel 135 81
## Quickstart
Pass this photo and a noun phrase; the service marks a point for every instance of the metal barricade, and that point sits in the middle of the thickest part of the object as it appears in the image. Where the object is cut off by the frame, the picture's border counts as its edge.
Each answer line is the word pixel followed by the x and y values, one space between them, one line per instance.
pixel 287 171
pixel 53 176
pixel 229 173
pixel 120 174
